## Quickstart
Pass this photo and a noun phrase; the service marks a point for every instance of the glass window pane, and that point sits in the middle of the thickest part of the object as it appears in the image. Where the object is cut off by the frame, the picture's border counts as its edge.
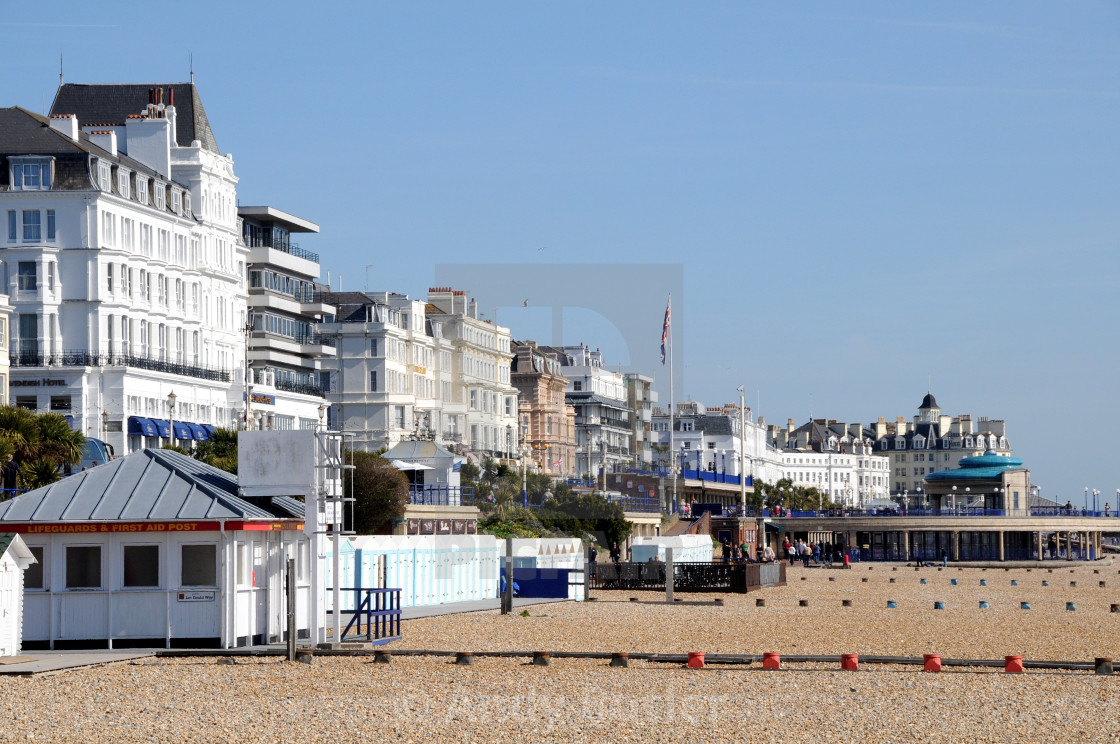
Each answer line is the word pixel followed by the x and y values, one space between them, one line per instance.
pixel 199 565
pixel 83 567
pixel 33 576
pixel 141 565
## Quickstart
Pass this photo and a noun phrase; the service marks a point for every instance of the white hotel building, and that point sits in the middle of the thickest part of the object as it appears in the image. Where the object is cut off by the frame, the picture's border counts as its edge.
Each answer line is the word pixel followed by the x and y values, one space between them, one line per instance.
pixel 409 368
pixel 123 260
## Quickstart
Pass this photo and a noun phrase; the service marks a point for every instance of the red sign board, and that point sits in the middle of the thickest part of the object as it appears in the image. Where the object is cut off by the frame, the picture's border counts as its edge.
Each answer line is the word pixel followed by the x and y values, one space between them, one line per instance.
pixel 91 528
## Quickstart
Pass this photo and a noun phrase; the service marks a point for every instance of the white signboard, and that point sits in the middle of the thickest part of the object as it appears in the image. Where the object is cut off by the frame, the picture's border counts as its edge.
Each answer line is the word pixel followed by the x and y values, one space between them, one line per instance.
pixel 197 596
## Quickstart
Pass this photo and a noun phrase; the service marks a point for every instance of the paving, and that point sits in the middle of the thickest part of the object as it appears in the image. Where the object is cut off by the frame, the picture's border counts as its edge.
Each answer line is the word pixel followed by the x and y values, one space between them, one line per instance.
pixel 43 662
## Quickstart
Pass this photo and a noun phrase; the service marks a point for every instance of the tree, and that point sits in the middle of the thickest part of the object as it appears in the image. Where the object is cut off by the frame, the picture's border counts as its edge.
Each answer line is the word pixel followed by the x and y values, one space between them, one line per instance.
pixel 220 451
pixel 380 491
pixel 41 443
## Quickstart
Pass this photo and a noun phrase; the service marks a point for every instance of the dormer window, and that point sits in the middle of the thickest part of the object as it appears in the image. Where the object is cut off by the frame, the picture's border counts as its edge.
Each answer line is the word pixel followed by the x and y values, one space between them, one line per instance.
pixel 968 442
pixel 187 203
pixel 142 190
pixel 900 443
pixel 945 443
pixel 160 196
pixel 30 174
pixel 176 201
pixel 919 443
pixel 122 183
pixel 104 176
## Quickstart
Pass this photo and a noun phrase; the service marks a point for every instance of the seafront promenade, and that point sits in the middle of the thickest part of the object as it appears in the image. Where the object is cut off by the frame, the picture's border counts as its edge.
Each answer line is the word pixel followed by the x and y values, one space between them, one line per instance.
pixel 429 698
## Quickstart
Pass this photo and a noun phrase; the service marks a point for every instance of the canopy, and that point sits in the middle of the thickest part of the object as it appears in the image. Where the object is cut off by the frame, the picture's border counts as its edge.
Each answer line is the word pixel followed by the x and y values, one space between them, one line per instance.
pixel 402 465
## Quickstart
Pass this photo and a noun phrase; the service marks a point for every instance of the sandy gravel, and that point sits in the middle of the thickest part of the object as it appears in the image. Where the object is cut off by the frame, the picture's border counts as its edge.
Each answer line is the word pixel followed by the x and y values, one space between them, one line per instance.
pixel 500 699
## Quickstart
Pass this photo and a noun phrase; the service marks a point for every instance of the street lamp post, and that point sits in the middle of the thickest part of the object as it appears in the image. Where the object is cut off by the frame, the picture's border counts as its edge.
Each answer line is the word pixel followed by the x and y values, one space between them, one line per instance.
pixel 742 459
pixel 524 473
pixel 171 414
pixel 104 424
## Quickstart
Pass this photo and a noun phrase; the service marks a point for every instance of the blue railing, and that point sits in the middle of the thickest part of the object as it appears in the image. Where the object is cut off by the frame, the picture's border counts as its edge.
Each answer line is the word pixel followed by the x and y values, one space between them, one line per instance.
pixel 637 503
pixel 7 493
pixel 381 610
pixel 713 477
pixel 441 495
pixel 1061 511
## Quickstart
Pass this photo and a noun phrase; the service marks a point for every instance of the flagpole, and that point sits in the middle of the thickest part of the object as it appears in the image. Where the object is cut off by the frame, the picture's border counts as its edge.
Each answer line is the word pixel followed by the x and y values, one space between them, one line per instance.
pixel 672 410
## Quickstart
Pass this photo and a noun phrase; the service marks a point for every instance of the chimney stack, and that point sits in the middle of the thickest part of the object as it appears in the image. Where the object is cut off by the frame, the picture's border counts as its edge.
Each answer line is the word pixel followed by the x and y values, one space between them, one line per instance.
pixel 67 124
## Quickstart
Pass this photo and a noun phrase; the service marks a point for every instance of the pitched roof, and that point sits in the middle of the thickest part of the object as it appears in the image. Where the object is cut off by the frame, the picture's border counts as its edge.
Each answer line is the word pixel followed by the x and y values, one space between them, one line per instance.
pixel 148 484
pixel 106 105
pixel 24 132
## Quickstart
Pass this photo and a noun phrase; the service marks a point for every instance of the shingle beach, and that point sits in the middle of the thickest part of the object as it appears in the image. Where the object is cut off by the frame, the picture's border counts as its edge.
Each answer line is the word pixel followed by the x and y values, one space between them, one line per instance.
pixel 429 698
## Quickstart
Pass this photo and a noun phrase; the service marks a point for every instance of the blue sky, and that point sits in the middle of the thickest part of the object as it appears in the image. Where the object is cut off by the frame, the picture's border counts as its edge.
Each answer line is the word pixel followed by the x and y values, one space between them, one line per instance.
pixel 863 198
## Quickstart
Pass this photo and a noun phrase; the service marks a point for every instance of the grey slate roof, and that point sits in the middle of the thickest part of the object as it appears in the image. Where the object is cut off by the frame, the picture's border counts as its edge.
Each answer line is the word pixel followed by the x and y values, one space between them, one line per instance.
pixel 112 104
pixel 148 484
pixel 420 449
pixel 24 132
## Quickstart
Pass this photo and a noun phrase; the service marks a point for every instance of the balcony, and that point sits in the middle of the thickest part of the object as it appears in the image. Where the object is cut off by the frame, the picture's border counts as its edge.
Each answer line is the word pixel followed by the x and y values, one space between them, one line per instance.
pixel 441 495
pixel 85 359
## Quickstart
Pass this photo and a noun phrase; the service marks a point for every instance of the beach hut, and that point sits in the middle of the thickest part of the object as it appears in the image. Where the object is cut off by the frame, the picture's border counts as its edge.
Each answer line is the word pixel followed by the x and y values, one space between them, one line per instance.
pixel 15 558
pixel 156 549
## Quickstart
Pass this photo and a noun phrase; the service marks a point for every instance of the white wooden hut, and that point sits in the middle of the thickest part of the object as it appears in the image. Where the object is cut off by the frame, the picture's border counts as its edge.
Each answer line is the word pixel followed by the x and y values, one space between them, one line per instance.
pixel 15 558
pixel 156 549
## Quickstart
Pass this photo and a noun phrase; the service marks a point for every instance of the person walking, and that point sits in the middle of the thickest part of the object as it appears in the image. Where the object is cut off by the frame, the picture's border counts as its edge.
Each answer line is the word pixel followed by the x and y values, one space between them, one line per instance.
pixel 944 558
pixel 10 472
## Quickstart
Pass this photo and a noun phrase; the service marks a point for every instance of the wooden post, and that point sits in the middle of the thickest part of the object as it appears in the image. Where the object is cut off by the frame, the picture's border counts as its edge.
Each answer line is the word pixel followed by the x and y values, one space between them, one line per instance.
pixel 669 575
pixel 507 595
pixel 290 591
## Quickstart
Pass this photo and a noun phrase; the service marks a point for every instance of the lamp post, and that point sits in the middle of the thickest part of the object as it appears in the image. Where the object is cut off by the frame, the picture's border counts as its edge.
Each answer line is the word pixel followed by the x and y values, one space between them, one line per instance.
pixel 1086 497
pixel 171 414
pixel 322 414
pixel 1096 500
pixel 104 424
pixel 742 459
pixel 524 473
pixel 967 496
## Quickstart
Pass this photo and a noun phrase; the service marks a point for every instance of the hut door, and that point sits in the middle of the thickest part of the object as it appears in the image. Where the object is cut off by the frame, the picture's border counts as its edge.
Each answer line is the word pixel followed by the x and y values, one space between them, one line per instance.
pixel 9 608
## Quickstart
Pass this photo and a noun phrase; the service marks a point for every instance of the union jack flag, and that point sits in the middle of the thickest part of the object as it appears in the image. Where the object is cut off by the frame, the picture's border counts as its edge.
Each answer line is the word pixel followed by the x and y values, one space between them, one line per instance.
pixel 665 328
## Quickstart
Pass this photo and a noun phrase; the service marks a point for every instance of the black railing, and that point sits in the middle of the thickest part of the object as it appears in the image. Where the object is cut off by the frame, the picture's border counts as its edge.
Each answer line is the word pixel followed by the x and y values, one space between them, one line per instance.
pixel 688 577
pixel 85 359
pixel 302 388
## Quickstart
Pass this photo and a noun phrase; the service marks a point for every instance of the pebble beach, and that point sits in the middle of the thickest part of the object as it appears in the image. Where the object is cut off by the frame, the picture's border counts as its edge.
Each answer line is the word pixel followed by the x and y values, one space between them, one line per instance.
pixel 429 698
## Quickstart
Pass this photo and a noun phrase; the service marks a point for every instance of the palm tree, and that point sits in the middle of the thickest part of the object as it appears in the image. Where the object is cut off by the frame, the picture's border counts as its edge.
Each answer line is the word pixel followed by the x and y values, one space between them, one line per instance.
pixel 42 443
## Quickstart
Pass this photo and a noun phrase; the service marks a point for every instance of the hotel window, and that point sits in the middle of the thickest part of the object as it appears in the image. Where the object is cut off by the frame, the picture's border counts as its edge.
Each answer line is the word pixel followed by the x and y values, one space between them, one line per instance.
pixel 28 278
pixel 30 175
pixel 12 222
pixel 142 190
pixel 109 277
pixel 176 201
pixel 373 381
pixel 373 347
pixel 159 193
pixel 187 203
pixel 50 225
pixel 32 226
pixel 141 566
pixel 103 176
pixel 122 183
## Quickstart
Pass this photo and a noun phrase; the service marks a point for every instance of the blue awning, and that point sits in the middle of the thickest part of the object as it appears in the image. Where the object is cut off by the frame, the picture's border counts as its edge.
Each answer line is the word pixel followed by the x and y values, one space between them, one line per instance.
pixel 199 432
pixel 209 429
pixel 163 426
pixel 183 431
pixel 142 426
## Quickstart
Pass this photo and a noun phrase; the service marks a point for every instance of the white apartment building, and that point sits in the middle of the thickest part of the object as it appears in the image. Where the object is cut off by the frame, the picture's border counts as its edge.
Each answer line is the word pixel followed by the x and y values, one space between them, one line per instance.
pixel 604 419
pixel 285 307
pixel 124 263
pixel 482 410
pixel 406 368
pixel 709 439
pixel 837 459
pixel 640 397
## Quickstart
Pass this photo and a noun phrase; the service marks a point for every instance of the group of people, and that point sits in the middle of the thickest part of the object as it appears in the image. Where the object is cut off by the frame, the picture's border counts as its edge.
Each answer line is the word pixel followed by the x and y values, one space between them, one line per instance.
pixel 822 554
pixel 743 553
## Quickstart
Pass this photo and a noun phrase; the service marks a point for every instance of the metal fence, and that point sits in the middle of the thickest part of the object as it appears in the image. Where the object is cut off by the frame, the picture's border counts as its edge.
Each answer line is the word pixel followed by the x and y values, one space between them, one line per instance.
pixel 688 577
